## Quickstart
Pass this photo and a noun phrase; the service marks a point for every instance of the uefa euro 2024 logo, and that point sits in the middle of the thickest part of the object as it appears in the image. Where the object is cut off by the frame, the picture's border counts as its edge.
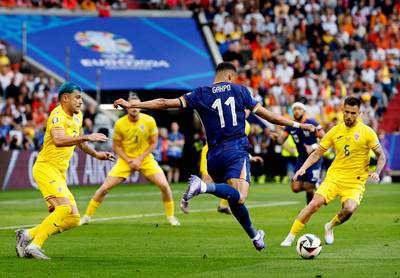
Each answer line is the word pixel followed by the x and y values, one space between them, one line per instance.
pixel 115 52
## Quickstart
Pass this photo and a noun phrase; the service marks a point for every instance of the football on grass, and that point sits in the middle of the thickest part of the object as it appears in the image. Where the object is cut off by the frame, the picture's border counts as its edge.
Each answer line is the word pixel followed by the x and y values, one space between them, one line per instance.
pixel 309 246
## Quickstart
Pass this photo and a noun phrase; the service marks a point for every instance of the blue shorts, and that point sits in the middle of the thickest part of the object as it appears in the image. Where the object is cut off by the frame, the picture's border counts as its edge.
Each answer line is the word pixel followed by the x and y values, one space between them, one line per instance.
pixel 312 174
pixel 229 162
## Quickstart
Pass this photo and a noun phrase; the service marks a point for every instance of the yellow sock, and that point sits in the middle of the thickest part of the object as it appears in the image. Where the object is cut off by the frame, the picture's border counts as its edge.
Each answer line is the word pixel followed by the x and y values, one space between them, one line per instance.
pixel 223 203
pixel 92 206
pixel 296 227
pixel 70 222
pixel 335 221
pixel 33 231
pixel 51 224
pixel 169 208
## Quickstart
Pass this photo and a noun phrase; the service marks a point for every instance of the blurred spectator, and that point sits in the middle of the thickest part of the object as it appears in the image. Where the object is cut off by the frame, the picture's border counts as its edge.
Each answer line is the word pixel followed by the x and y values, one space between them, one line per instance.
pixel 176 141
pixel 103 8
pixel 88 5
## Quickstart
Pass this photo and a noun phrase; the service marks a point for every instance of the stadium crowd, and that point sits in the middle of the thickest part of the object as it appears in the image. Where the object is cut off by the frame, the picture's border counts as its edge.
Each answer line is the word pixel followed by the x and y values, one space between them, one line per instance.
pixel 316 52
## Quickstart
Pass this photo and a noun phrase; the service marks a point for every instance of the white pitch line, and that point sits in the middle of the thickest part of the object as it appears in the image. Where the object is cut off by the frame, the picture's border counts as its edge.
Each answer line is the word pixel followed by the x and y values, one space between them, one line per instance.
pixel 146 215
pixel 87 197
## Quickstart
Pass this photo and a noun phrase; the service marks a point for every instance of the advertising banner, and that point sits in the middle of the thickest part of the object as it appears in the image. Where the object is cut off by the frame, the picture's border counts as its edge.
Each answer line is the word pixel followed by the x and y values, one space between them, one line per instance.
pixel 16 170
pixel 129 52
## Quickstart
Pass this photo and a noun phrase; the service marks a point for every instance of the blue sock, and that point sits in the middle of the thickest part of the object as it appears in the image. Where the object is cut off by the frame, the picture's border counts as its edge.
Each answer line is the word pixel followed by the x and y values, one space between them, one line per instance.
pixel 242 215
pixel 224 191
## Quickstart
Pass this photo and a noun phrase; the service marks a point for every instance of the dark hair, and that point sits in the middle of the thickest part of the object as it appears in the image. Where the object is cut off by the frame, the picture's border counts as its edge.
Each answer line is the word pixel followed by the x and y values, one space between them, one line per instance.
pixel 225 66
pixel 67 88
pixel 133 96
pixel 352 101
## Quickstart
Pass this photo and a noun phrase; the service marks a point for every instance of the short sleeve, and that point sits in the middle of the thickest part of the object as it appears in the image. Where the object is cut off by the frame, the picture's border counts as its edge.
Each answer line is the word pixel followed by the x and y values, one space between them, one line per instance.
pixel 56 120
pixel 190 100
pixel 153 130
pixel 372 139
pixel 249 102
pixel 117 136
pixel 327 142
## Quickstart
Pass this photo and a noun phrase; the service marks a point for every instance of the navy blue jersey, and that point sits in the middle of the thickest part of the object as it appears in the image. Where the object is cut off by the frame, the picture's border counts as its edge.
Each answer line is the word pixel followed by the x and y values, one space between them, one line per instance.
pixel 303 137
pixel 221 108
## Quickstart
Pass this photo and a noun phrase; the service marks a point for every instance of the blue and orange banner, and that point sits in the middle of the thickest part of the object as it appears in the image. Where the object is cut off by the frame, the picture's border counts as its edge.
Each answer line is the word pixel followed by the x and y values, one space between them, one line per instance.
pixel 132 53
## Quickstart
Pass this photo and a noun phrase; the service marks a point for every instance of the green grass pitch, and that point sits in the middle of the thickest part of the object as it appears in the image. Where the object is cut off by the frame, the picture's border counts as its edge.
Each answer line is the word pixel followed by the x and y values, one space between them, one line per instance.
pixel 131 237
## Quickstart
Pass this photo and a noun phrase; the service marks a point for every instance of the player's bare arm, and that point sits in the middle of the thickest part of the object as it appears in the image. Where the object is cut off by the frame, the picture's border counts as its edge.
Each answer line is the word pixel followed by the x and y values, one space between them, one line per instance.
pixel 310 148
pixel 152 145
pixel 380 155
pixel 92 152
pixel 314 157
pixel 279 120
pixel 159 103
pixel 117 145
pixel 60 139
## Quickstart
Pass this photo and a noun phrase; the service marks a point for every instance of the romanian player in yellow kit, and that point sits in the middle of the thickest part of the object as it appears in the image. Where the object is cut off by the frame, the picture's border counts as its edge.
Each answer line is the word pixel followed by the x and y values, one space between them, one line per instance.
pixel 223 205
pixel 63 134
pixel 135 137
pixel 352 141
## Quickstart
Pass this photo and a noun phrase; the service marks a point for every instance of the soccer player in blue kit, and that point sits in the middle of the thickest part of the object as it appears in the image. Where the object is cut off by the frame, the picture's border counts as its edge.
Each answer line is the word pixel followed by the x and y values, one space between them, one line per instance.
pixel 306 143
pixel 221 107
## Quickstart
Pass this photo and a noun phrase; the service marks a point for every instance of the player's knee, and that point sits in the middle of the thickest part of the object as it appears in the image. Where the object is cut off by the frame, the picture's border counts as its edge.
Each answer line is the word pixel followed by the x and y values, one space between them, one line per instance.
pixel 296 189
pixel 242 199
pixel 349 209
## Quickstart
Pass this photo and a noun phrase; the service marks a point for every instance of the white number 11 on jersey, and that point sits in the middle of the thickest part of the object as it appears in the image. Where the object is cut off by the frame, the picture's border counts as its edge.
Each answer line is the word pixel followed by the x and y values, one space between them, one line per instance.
pixel 229 102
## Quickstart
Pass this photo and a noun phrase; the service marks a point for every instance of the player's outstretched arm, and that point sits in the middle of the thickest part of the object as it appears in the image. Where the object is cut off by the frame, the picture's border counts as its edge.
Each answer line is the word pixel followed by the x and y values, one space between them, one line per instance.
pixel 380 155
pixel 312 158
pixel 159 103
pixel 92 152
pixel 60 139
pixel 279 120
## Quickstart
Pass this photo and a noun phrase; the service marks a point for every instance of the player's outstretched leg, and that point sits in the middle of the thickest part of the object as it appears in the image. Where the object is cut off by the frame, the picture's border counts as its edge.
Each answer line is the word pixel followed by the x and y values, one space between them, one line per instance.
pixel 302 219
pixel 98 198
pixel 197 186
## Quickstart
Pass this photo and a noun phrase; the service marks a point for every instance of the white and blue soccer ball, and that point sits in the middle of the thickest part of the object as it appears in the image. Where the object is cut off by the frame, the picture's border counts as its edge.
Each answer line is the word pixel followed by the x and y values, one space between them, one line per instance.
pixel 309 246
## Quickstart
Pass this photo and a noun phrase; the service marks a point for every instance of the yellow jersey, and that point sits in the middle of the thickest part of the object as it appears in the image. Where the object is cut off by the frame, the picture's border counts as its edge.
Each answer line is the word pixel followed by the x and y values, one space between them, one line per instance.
pixel 352 146
pixel 134 137
pixel 50 153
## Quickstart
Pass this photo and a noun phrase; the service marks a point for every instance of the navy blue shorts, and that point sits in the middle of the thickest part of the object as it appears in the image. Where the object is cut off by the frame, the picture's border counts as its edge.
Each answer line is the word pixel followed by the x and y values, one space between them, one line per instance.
pixel 224 163
pixel 312 174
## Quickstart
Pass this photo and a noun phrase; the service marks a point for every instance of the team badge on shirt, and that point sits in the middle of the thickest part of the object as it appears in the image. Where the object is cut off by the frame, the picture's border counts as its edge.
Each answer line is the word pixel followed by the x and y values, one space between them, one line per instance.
pixel 141 127
pixel 55 120
pixel 76 120
pixel 356 136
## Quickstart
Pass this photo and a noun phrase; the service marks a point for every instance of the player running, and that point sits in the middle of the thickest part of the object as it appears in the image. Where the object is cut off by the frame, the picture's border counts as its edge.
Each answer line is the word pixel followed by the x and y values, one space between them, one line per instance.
pixel 306 143
pixel 221 107
pixel 63 134
pixel 346 177
pixel 135 138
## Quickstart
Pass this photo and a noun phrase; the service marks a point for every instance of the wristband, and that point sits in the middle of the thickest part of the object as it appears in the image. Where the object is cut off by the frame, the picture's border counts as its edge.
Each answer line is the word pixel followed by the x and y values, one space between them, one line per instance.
pixel 296 125
pixel 314 146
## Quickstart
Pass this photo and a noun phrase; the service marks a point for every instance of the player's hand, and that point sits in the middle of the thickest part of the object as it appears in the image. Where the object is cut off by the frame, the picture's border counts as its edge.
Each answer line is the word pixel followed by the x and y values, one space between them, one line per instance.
pixel 274 136
pixel 105 156
pixel 299 172
pixel 374 177
pixel 96 137
pixel 309 127
pixel 135 164
pixel 121 103
pixel 257 159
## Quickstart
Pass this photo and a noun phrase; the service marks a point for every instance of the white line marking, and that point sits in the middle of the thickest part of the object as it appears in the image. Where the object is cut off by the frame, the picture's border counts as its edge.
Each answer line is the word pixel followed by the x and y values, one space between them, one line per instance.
pixel 146 215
